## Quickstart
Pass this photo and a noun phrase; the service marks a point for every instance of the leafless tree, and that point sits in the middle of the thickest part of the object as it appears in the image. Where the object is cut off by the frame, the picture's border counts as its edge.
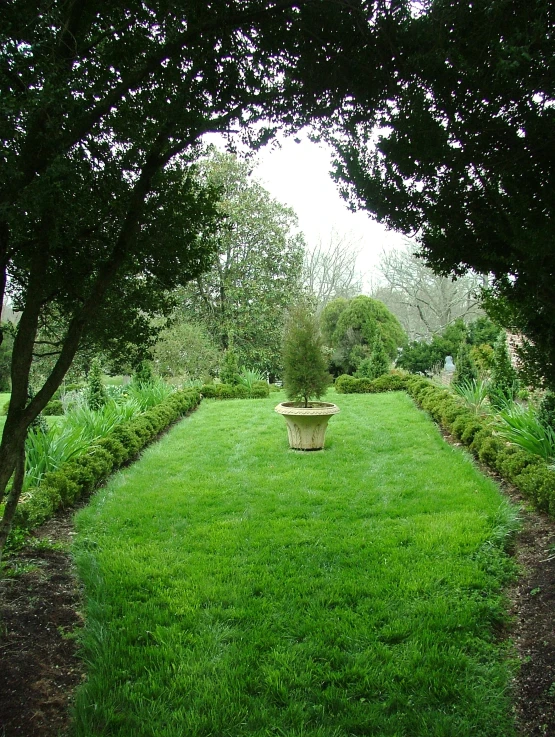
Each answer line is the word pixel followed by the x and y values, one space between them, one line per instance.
pixel 423 302
pixel 330 269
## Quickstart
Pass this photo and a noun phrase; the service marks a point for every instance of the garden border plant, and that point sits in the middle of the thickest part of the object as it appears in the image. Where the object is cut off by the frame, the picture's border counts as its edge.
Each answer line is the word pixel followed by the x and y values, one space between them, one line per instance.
pixel 80 475
pixel 528 472
pixel 257 390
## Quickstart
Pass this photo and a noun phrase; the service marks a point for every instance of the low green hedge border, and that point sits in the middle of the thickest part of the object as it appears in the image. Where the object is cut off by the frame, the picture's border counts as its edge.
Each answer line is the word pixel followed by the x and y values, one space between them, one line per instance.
pixel 61 488
pixel 529 473
pixel 259 390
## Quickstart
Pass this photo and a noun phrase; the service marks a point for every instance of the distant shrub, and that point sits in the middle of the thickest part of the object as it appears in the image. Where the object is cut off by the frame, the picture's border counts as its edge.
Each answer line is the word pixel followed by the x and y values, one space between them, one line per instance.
pixel 259 390
pixel 96 393
pixel 346 384
pixel 546 412
pixel 229 371
pixel 504 380
pixel 54 408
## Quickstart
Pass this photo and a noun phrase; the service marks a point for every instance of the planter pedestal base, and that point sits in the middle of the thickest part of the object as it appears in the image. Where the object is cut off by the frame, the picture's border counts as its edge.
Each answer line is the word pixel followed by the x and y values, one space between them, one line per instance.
pixel 306 426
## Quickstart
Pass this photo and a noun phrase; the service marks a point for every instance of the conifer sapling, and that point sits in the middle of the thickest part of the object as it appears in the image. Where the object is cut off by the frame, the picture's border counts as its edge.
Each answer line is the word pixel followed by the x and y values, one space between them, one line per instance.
pixel 305 368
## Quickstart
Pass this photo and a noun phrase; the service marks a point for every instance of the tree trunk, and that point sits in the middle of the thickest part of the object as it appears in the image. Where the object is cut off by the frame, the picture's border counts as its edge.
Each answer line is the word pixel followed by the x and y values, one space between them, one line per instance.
pixel 13 496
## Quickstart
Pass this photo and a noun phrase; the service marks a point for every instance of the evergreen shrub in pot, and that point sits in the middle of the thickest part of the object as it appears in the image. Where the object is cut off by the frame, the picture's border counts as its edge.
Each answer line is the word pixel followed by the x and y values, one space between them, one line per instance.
pixel 305 380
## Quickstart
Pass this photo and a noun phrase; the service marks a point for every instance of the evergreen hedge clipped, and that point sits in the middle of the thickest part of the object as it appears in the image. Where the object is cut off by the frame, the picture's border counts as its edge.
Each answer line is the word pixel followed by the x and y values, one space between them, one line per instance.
pixel 528 472
pixel 259 390
pixel 62 488
pixel 392 382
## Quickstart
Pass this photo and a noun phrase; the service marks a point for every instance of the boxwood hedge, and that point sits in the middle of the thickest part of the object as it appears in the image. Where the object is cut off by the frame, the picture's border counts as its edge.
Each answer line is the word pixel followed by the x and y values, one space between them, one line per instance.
pixel 259 390
pixel 81 475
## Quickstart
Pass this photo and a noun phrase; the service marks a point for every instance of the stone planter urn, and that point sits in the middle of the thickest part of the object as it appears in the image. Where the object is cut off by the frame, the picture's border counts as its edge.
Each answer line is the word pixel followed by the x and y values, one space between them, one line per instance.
pixel 306 426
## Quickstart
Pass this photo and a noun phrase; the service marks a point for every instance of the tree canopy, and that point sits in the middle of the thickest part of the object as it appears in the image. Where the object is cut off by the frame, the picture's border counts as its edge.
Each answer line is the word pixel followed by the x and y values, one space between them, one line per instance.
pixel 350 328
pixel 102 107
pixel 257 268
pixel 465 154
pixel 426 303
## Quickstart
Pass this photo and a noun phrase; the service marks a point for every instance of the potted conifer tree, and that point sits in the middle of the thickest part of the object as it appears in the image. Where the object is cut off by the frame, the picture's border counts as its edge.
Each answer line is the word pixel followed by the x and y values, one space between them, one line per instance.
pixel 305 381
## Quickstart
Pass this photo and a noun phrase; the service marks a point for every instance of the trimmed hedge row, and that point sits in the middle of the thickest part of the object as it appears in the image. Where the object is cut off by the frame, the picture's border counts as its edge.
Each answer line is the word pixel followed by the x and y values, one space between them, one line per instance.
pixel 61 488
pixel 528 472
pixel 259 390
pixel 392 382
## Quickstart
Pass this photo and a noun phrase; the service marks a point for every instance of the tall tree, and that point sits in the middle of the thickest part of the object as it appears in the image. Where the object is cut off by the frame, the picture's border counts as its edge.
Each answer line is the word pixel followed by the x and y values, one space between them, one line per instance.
pixel 257 270
pixel 101 108
pixel 425 303
pixel 465 154
pixel 330 269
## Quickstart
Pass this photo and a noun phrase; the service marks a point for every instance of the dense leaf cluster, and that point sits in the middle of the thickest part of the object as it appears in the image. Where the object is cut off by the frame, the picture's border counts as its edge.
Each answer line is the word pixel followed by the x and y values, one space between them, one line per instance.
pixel 351 327
pixel 305 374
pixel 257 269
pixel 465 154
pixel 421 356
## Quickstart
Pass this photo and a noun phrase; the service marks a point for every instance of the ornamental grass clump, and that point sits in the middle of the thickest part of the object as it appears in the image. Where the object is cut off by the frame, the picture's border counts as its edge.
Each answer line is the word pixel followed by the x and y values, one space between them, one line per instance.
pixel 305 374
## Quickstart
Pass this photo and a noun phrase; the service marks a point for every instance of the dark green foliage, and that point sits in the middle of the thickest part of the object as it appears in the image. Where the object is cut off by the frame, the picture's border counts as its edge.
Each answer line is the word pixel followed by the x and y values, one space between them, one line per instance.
pixel 115 448
pixel 96 392
pixel 350 328
pixel 504 379
pixel 305 374
pixel 482 331
pixel 420 357
pixel 229 372
pixel 479 440
pixel 6 348
pixel 465 371
pixel 346 384
pixel 546 412
pixel 391 382
pixel 490 449
pixel 451 409
pixel 538 483
pixel 511 461
pixel 473 427
pixel 377 364
pixel 54 408
pixel 259 390
pixel 143 373
pixel 232 391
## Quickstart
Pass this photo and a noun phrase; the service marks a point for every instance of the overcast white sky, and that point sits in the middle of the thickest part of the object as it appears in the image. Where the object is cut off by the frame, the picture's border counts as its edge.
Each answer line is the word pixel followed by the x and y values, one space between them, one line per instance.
pixel 297 175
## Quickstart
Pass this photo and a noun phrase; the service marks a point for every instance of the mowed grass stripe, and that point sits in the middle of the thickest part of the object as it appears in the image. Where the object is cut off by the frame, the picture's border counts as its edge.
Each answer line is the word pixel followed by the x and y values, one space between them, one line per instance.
pixel 235 587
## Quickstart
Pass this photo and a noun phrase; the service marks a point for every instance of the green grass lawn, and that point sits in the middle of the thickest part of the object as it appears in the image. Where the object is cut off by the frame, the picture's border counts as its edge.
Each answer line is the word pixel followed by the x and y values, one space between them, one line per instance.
pixel 236 587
